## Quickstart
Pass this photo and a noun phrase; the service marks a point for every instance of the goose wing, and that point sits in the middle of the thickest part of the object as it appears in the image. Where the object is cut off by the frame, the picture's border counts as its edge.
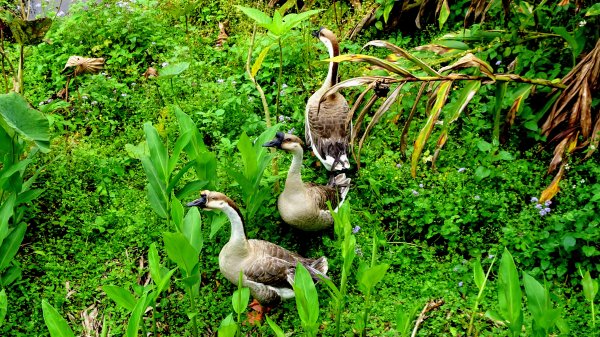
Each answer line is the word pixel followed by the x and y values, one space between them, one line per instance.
pixel 326 128
pixel 321 194
pixel 273 265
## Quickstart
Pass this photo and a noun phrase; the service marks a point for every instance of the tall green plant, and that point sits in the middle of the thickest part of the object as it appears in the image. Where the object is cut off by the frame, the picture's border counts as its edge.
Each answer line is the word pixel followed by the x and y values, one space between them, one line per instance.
pixel 368 276
pixel 231 327
pixel 278 26
pixel 255 159
pixel 590 289
pixel 509 308
pixel 20 126
pixel 307 300
pixel 480 281
pixel 346 242
pixel 544 316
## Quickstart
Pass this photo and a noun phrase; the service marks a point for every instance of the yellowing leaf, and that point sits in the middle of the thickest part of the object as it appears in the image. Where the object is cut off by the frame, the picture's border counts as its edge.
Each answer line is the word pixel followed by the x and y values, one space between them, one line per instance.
pixel 258 63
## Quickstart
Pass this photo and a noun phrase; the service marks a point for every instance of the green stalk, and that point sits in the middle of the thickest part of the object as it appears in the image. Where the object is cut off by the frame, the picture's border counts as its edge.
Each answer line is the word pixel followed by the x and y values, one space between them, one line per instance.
pixel 340 304
pixel 193 306
pixel 479 295
pixel 279 78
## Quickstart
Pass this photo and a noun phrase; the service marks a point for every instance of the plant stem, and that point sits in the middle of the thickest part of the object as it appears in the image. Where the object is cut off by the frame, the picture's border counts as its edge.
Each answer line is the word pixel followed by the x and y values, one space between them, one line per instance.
pixel 154 328
pixel 193 307
pixel 462 77
pixel 279 78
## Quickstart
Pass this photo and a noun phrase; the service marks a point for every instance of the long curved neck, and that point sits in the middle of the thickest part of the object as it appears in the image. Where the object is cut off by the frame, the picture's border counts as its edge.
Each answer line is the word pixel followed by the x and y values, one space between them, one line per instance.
pixel 237 224
pixel 294 179
pixel 331 79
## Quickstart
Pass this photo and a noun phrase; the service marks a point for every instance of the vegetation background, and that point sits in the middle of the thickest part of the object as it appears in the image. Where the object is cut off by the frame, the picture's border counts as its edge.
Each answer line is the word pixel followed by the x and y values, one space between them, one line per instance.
pixel 425 218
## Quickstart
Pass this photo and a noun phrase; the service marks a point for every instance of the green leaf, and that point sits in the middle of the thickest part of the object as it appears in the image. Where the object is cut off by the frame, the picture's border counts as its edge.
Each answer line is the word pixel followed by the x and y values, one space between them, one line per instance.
pixel 464 97
pixel 444 13
pixel 590 287
pixel 164 283
pixel 292 20
pixel 56 324
pixel 576 48
pixel 137 313
pixel 157 200
pixel 177 213
pixel 6 212
pixel 154 264
pixel 274 327
pixel 181 252
pixel 192 229
pixel 369 276
pixel 484 146
pixel 3 306
pixel 509 293
pixel 240 300
pixel 27 122
pixel 569 242
pixel 307 299
pixel 228 327
pixel 158 152
pixel 121 296
pixel 173 70
pixel 11 245
pixel 593 10
pixel 260 18
pixel 180 144
pixel 478 274
pixel 258 63
pixel 389 66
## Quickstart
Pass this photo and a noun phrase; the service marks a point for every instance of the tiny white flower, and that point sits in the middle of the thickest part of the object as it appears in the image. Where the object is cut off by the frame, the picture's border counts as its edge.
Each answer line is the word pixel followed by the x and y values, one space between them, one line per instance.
pixel 164 64
pixel 123 94
pixel 582 23
pixel 153 43
pixel 84 97
pixel 220 80
pixel 94 102
pixel 462 169
pixel 283 86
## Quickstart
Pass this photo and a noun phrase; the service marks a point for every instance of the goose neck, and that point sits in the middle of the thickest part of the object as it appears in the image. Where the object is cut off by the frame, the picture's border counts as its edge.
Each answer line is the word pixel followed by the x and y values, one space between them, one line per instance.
pixel 237 224
pixel 294 176
pixel 333 49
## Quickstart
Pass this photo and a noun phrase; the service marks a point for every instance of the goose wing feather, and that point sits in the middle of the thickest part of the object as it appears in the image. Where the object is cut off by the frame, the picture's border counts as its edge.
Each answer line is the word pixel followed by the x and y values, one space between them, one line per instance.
pixel 321 194
pixel 328 133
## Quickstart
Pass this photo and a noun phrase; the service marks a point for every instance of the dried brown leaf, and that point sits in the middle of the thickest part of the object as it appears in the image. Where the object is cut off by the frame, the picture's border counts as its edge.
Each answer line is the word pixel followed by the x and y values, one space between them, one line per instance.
pixel 469 61
pixel 436 48
pixel 83 65
pixel 553 188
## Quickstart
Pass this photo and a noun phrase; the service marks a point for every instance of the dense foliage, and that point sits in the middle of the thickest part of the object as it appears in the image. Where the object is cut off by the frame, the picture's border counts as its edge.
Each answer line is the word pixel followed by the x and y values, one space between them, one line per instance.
pixel 106 233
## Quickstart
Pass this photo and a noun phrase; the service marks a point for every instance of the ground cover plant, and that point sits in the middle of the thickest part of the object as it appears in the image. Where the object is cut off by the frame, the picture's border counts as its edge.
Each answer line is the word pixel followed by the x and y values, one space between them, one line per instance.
pixel 475 210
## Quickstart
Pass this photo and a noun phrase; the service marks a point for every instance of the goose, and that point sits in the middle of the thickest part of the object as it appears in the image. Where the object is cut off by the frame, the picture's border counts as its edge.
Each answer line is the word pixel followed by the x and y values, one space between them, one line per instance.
pixel 325 125
pixel 304 205
pixel 268 269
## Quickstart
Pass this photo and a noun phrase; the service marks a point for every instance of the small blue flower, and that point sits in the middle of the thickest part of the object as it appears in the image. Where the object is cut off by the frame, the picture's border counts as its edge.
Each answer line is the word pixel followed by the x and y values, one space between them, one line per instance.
pixel 542 213
pixel 476 197
pixel 499 62
pixel 421 185
pixel 547 209
pixel 460 284
pixel 547 203
pixel 462 169
pixel 534 199
pixel 355 229
pixel 491 256
pixel 415 193
pixel 539 206
pixel 398 165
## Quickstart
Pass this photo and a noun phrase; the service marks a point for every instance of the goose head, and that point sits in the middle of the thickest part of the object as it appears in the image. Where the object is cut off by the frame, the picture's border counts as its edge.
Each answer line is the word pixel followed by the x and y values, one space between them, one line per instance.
pixel 286 142
pixel 210 200
pixel 329 40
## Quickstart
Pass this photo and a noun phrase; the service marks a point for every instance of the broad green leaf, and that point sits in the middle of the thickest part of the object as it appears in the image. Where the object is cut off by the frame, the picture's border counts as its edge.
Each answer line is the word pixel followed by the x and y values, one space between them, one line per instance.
pixel 258 63
pixel 10 275
pixel 240 300
pixel 158 152
pixel 177 213
pixel 307 299
pixel 154 264
pixel 465 96
pixel 157 202
pixel 260 18
pixel 191 187
pixel 173 70
pixel 175 179
pixel 228 327
pixel 569 242
pixel 181 252
pixel 6 212
pixel 56 324
pixel 509 293
pixel 576 48
pixel 444 13
pixel 370 276
pixel 218 221
pixel 484 146
pixel 135 319
pixel 249 157
pixel 192 229
pixel 275 328
pixel 478 274
pixel 121 296
pixel 593 10
pixel 180 144
pixel 11 245
pixel 164 283
pixel 3 306
pixel 442 96
pixel 27 122
pixel 292 20
pixel 590 287
pixel 537 299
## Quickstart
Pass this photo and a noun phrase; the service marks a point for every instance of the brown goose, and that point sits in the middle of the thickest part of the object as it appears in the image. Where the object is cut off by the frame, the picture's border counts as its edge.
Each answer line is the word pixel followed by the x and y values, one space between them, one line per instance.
pixel 325 125
pixel 268 269
pixel 304 205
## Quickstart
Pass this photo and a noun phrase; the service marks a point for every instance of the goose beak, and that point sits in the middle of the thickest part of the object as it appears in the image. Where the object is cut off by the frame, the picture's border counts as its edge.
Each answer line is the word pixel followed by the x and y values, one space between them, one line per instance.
pixel 316 33
pixel 274 143
pixel 201 202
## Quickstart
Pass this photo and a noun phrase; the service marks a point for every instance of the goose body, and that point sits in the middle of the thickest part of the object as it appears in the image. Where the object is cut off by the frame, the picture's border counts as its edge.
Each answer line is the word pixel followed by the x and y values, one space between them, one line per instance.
pixel 268 269
pixel 325 117
pixel 304 205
